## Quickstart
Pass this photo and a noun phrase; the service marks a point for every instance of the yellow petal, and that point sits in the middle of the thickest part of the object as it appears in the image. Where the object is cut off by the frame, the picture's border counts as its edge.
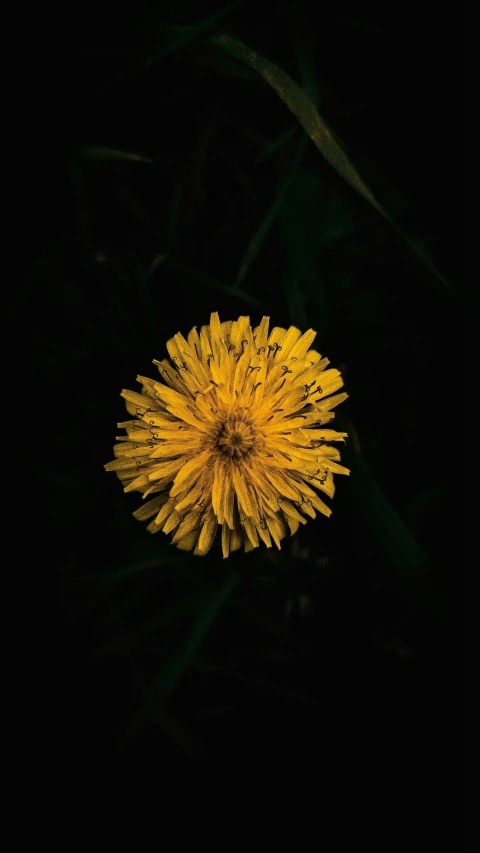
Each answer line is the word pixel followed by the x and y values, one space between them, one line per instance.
pixel 331 402
pixel 301 347
pixel 207 534
pixel 189 472
pixel 186 526
pixel 225 540
pixel 187 543
pixel 242 494
pixel 149 508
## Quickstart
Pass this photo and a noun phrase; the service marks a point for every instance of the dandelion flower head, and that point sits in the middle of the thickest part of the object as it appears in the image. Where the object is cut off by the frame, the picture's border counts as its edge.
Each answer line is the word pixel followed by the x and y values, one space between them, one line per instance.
pixel 232 436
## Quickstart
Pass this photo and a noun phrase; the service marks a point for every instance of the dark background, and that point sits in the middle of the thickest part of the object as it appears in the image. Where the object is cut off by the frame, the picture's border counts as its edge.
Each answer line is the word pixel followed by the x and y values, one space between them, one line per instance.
pixel 344 643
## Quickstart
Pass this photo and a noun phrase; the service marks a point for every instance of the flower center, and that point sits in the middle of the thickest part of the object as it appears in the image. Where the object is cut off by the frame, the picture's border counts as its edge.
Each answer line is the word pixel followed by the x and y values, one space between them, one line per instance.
pixel 235 438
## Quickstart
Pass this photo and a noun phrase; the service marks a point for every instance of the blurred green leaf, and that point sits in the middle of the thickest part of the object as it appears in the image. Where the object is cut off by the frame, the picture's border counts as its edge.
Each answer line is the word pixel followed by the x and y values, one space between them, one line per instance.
pixel 109 579
pixel 175 666
pixel 207 280
pixel 174 214
pixel 222 63
pixel 391 531
pixel 260 235
pixel 260 685
pixel 304 109
pixel 306 68
pixel 308 225
pixel 95 152
pixel 175 37
pixel 123 304
pixel 305 52
pixel 277 144
pixel 179 608
pixel 424 502
pixel 295 297
pixel 143 278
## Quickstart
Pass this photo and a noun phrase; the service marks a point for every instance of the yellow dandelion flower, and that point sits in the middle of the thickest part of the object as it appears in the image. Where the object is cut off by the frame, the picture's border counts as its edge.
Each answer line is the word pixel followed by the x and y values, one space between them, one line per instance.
pixel 233 436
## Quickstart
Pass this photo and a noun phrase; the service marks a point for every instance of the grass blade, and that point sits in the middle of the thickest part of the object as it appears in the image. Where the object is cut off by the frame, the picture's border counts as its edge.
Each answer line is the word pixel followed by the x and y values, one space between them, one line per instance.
pixel 391 531
pixel 178 36
pixel 207 280
pixel 303 108
pixel 94 152
pixel 259 237
pixel 277 144
pixel 171 673
pixel 168 678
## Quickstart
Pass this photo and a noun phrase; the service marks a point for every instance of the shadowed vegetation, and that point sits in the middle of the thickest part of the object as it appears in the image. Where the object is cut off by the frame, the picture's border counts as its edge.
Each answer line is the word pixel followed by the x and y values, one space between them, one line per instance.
pixel 207 161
